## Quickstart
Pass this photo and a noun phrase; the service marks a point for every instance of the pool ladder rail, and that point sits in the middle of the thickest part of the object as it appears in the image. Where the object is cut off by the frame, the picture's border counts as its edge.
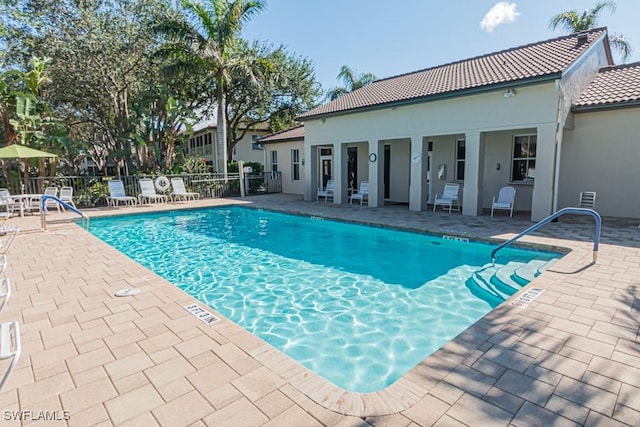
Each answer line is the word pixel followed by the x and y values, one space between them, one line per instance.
pixel 534 227
pixel 43 211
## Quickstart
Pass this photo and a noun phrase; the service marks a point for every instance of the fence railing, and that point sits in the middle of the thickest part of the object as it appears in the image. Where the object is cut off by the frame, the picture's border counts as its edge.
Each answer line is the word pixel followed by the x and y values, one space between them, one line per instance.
pixel 90 191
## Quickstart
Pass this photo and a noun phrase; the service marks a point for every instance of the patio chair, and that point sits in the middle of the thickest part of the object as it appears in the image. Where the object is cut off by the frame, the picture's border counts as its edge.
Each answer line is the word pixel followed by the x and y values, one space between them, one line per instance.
pixel 179 191
pixel 148 192
pixel 8 236
pixel 9 203
pixel 587 200
pixel 117 194
pixel 66 195
pixel 49 203
pixel 9 333
pixel 5 290
pixel 361 194
pixel 326 192
pixel 448 198
pixel 506 200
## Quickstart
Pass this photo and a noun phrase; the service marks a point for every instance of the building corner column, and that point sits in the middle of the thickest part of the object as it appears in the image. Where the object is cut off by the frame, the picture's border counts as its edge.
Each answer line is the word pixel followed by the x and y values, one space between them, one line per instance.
pixel 473 174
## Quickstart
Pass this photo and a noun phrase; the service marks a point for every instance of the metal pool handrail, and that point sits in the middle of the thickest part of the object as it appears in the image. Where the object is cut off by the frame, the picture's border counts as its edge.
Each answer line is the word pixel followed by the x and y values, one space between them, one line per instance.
pixel 579 211
pixel 43 210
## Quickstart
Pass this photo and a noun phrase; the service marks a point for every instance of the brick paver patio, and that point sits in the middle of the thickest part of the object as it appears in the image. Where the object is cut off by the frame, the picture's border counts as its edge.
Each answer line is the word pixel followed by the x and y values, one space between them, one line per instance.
pixel 572 357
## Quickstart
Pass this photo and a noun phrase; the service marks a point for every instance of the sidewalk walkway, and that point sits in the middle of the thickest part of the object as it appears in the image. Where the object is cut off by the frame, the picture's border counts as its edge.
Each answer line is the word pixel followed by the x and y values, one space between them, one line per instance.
pixel 572 357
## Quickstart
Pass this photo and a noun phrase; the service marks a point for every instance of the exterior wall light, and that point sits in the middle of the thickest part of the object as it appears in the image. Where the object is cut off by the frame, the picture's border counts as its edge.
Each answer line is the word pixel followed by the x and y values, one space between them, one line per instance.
pixel 509 93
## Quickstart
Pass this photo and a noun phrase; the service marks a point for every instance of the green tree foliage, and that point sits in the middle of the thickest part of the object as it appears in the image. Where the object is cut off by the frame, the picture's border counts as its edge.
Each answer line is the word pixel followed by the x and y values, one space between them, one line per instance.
pixel 281 87
pixel 573 21
pixel 207 40
pixel 351 81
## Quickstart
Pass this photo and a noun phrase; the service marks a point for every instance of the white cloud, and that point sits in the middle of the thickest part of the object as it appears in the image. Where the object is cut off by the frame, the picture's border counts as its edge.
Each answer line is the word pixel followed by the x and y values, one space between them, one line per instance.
pixel 501 13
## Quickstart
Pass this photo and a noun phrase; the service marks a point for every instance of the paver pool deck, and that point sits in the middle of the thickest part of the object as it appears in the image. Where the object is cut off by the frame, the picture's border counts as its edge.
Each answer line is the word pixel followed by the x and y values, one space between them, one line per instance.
pixel 571 357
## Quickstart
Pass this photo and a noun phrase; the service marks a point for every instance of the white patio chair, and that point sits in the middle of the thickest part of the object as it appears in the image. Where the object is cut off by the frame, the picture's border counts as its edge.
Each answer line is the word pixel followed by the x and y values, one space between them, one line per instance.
pixel 448 198
pixel 8 235
pixel 9 347
pixel 66 195
pixel 179 190
pixel 361 194
pixel 117 194
pixel 49 203
pixel 5 291
pixel 506 200
pixel 10 204
pixel 326 192
pixel 148 192
pixel 587 200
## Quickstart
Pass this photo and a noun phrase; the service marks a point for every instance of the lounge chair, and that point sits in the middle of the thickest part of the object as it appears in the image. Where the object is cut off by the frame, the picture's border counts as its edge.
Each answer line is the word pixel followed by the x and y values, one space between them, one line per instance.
pixel 49 203
pixel 5 289
pixel 8 236
pixel 11 204
pixel 9 332
pixel 361 194
pixel 66 195
pixel 179 190
pixel 148 192
pixel 326 192
pixel 117 194
pixel 506 200
pixel 587 200
pixel 448 198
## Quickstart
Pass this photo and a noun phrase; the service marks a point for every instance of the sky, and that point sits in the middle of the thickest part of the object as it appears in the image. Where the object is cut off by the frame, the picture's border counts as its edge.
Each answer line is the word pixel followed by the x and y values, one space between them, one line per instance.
pixel 391 38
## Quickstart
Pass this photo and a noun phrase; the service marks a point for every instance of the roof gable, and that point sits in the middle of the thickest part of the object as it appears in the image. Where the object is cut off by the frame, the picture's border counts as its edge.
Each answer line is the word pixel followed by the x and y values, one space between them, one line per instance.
pixel 546 59
pixel 612 87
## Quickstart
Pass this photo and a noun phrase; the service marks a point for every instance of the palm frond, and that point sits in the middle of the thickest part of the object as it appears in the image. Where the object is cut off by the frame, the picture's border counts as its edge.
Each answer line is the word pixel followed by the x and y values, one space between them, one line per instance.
pixel 621 44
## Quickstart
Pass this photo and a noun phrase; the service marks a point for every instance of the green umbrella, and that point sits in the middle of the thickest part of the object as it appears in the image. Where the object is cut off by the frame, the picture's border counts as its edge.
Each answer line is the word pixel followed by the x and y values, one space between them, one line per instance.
pixel 17 151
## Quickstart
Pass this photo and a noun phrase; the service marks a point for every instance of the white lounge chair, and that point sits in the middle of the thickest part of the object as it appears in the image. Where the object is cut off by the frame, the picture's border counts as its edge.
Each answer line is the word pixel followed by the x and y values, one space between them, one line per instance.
pixel 587 200
pixel 5 289
pixel 8 236
pixel 9 346
pixel 361 194
pixel 506 200
pixel 66 195
pixel 148 192
pixel 179 191
pixel 10 204
pixel 34 204
pixel 117 194
pixel 326 192
pixel 448 198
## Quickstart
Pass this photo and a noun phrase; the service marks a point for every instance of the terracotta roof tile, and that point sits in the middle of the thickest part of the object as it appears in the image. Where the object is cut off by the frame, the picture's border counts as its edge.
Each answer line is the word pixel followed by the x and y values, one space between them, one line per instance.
pixel 612 85
pixel 296 132
pixel 537 60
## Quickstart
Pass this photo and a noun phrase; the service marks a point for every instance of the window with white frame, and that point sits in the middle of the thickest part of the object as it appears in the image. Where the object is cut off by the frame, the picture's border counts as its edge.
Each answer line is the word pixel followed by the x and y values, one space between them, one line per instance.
pixel 295 164
pixel 255 142
pixel 524 158
pixel 461 153
pixel 274 161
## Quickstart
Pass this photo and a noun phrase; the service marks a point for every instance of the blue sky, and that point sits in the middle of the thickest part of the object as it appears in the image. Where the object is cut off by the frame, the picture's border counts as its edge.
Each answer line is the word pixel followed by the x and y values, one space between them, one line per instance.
pixel 390 38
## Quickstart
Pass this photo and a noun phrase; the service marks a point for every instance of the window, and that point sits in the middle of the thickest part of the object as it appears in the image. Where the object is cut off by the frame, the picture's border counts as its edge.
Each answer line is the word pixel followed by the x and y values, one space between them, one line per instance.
pixel 255 144
pixel 524 158
pixel 295 165
pixel 274 161
pixel 460 157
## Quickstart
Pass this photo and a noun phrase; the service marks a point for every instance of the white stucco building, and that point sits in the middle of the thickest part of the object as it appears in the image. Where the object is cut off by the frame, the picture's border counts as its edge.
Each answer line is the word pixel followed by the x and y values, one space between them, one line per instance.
pixel 551 118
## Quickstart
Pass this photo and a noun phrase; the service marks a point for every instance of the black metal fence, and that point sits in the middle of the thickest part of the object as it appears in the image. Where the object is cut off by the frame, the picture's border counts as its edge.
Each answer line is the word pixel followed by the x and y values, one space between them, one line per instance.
pixel 90 191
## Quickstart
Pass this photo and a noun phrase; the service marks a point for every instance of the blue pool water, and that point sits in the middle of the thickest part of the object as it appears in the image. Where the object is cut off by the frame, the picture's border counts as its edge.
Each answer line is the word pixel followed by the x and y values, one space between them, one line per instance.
pixel 358 305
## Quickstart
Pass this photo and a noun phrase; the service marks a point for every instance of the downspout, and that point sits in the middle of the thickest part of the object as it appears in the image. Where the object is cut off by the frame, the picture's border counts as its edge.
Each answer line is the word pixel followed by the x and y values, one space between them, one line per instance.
pixel 559 135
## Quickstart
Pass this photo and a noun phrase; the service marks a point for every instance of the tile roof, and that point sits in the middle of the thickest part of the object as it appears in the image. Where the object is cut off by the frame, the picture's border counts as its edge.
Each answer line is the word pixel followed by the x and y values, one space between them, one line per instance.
pixel 293 133
pixel 612 86
pixel 537 60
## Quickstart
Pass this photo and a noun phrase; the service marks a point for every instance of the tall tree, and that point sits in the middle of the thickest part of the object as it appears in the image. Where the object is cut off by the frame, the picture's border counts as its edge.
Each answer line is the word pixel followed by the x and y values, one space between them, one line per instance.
pixel 351 81
pixel 573 21
pixel 208 40
pixel 282 87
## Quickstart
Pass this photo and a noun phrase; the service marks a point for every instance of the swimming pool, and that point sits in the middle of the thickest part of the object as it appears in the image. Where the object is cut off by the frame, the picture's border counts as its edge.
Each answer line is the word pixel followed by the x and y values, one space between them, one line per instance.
pixel 358 305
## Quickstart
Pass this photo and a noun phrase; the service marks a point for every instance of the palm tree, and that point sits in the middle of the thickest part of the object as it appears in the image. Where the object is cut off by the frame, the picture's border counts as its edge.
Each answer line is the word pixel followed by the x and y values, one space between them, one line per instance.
pixel 351 82
pixel 573 21
pixel 207 42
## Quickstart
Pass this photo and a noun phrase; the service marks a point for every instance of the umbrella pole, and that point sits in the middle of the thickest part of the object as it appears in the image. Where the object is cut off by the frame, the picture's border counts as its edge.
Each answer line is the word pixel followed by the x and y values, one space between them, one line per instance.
pixel 26 175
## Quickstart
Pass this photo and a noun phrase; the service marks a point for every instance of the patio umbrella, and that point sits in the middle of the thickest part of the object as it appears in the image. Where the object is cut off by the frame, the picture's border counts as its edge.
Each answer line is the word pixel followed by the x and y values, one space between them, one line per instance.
pixel 18 151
